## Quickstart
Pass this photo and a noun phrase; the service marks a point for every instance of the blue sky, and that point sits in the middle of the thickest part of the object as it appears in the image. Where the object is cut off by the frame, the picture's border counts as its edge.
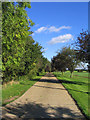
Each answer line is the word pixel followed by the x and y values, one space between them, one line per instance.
pixel 57 24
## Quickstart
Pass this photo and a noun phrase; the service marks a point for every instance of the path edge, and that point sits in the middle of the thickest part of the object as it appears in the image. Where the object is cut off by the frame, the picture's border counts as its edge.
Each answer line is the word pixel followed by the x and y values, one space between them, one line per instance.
pixel 86 118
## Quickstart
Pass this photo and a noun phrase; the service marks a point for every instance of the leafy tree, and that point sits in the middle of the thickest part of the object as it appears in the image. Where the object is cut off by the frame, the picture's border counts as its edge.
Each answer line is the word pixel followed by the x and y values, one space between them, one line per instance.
pixel 59 62
pixel 66 58
pixel 32 53
pixel 15 30
pixel 48 66
pixel 53 64
pixel 82 46
pixel 71 60
pixel 21 54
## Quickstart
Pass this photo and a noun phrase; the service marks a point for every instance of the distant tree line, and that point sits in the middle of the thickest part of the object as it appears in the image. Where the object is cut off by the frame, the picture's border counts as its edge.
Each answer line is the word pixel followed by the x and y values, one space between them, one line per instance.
pixel 21 55
pixel 69 58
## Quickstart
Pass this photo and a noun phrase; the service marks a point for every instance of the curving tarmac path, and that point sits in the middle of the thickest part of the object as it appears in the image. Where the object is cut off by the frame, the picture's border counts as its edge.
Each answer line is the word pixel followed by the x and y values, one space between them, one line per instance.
pixel 47 98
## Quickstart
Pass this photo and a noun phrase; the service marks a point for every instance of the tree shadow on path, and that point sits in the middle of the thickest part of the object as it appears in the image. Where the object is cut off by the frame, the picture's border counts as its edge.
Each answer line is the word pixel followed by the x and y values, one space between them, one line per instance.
pixel 32 111
pixel 60 88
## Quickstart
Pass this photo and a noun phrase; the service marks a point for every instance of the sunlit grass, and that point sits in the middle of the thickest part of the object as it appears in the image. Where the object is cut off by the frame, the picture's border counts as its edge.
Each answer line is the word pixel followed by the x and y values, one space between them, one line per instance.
pixel 18 88
pixel 77 87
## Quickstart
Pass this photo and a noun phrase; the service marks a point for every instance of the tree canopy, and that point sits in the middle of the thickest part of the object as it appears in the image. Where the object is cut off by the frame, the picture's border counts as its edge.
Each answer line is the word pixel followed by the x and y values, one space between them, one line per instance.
pixel 81 46
pixel 21 55
pixel 66 58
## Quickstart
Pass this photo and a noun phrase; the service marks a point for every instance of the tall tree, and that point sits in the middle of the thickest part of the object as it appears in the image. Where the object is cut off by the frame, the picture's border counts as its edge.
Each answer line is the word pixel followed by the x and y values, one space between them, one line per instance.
pixel 21 54
pixel 81 45
pixel 15 30
pixel 66 58
pixel 71 60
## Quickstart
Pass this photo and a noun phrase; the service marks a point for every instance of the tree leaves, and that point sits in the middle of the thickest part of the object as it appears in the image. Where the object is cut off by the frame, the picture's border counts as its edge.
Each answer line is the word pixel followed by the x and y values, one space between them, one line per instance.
pixel 82 46
pixel 66 58
pixel 20 53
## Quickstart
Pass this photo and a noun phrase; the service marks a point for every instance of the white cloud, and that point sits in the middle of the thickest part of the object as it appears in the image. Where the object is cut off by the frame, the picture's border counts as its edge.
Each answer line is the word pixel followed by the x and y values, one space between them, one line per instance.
pixel 41 29
pixel 54 29
pixel 51 29
pixel 61 39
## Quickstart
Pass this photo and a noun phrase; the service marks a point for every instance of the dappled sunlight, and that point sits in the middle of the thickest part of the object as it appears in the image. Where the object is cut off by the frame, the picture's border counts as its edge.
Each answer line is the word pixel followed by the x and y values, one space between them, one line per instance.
pixel 48 87
pixel 33 110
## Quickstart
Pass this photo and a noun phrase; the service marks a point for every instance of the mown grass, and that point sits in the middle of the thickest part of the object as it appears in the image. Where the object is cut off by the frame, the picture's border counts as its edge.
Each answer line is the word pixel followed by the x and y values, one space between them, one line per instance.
pixel 17 89
pixel 77 87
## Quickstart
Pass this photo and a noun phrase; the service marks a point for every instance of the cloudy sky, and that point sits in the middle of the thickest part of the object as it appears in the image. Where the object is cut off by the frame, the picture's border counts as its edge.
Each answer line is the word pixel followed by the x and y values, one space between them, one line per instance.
pixel 57 24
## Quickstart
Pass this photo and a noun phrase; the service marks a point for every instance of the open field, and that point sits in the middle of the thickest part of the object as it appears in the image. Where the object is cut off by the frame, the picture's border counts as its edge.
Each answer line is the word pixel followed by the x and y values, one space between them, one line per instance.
pixel 77 87
pixel 11 92
pixel 83 74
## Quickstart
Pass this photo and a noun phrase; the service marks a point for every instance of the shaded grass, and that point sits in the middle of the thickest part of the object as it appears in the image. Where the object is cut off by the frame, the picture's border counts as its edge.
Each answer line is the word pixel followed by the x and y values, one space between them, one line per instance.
pixel 18 88
pixel 77 87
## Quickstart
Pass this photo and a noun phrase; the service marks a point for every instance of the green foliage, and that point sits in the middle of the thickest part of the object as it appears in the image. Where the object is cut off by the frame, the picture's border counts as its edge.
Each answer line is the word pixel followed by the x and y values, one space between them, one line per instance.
pixel 82 46
pixel 66 58
pixel 20 53
pixel 15 31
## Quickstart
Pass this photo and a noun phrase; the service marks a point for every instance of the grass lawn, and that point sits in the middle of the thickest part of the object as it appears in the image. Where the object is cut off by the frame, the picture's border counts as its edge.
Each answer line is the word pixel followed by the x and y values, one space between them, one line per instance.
pixel 77 87
pixel 10 92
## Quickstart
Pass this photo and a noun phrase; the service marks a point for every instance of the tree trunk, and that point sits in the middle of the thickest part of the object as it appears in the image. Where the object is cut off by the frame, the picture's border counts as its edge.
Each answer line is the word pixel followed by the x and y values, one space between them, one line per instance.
pixel 62 73
pixel 71 75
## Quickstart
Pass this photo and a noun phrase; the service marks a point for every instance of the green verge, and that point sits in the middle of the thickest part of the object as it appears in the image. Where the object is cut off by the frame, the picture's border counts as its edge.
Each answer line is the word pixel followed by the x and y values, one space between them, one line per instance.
pixel 77 86
pixel 17 89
